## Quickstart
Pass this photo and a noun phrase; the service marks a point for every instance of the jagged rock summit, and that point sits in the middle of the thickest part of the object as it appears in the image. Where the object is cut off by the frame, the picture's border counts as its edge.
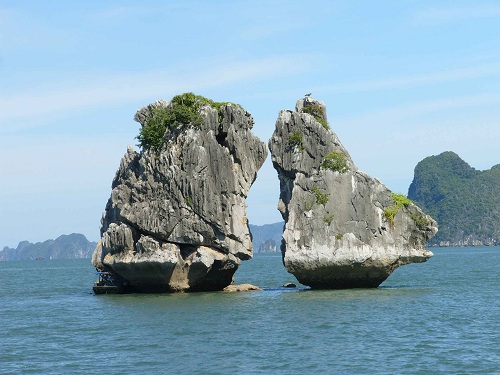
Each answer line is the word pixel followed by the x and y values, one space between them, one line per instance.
pixel 343 228
pixel 176 218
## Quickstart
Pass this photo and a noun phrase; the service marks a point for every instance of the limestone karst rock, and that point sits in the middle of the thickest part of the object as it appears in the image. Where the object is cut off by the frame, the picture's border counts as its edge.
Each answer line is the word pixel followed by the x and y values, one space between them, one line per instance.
pixel 343 228
pixel 176 218
pixel 241 288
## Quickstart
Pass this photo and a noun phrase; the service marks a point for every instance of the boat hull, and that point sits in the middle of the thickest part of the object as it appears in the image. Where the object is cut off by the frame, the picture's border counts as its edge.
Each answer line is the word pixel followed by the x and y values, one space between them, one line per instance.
pixel 106 289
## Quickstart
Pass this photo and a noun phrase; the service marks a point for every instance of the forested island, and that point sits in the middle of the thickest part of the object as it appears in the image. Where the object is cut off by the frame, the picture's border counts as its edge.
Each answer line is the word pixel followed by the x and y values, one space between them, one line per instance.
pixel 464 201
pixel 72 246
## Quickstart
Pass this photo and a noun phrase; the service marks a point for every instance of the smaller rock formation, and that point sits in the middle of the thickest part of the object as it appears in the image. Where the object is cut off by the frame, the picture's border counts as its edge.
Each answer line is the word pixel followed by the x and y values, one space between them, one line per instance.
pixel 262 235
pixel 176 218
pixel 268 246
pixel 241 288
pixel 343 228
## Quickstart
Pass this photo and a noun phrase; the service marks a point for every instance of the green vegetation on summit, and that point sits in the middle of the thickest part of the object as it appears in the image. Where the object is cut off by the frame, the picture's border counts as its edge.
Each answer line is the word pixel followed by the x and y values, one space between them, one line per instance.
pixel 182 110
pixel 464 201
pixel 317 112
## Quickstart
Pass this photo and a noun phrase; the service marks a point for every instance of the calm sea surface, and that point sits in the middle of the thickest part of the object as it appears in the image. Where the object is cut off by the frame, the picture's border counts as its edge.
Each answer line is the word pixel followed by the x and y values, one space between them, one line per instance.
pixel 442 316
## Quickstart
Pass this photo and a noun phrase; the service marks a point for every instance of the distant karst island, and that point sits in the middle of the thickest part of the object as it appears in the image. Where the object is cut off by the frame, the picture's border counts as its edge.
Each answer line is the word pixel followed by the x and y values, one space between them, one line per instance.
pixel 267 238
pixel 72 246
pixel 464 201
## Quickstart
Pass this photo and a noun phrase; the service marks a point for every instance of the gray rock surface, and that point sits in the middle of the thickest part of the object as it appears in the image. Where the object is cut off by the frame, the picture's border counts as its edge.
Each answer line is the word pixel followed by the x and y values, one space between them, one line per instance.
pixel 336 231
pixel 234 288
pixel 176 218
pixel 268 246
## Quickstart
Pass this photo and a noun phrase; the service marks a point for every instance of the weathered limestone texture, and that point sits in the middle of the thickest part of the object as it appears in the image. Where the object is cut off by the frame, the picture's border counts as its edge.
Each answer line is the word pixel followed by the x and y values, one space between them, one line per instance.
pixel 176 218
pixel 241 288
pixel 343 228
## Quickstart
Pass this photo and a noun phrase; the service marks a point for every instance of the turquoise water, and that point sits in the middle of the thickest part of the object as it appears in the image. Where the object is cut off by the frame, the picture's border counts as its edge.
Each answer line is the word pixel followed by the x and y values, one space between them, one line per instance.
pixel 442 316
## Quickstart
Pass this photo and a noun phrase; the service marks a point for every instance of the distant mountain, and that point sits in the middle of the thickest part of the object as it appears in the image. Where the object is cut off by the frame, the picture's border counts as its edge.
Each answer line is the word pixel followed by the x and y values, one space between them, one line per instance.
pixel 266 238
pixel 464 201
pixel 71 246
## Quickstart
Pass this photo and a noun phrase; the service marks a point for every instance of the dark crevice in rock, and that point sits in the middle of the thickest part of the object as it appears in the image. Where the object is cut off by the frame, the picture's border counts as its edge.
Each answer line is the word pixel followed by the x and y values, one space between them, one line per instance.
pixel 187 250
pixel 221 137
pixel 354 208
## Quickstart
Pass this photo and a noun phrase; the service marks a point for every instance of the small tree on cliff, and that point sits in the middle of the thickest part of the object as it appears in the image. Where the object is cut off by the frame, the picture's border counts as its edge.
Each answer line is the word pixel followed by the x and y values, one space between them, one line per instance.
pixel 182 110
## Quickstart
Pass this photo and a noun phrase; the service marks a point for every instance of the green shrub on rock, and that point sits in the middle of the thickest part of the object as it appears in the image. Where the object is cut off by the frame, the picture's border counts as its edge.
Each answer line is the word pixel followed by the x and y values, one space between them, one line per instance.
pixel 316 111
pixel 329 218
pixel 183 110
pixel 321 198
pixel 390 213
pixel 399 201
pixel 335 161
pixel 296 140
pixel 420 221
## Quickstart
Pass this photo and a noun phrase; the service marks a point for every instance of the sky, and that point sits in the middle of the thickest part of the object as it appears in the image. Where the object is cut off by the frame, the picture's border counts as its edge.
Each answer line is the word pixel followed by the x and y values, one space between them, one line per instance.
pixel 402 80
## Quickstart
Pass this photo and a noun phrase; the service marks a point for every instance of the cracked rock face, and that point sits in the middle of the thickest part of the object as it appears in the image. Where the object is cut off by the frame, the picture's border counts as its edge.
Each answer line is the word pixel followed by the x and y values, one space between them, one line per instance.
pixel 338 232
pixel 176 218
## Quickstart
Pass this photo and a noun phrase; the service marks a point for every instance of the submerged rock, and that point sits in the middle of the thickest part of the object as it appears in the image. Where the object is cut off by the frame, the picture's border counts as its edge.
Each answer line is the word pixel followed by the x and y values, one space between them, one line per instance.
pixel 241 288
pixel 343 228
pixel 176 218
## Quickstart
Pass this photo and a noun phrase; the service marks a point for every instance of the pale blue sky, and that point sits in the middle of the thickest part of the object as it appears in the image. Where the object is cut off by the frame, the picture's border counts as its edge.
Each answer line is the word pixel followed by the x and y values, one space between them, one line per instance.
pixel 402 80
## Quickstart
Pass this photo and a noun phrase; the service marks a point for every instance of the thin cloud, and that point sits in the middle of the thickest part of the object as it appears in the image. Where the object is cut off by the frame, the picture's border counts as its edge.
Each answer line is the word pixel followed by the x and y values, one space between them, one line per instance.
pixel 3 17
pixel 438 16
pixel 266 31
pixel 403 136
pixel 395 116
pixel 403 82
pixel 38 158
pixel 125 88
pixel 122 12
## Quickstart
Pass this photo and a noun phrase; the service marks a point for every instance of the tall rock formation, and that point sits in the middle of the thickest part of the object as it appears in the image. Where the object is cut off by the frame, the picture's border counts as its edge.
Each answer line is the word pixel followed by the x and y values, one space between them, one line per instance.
pixel 176 218
pixel 343 228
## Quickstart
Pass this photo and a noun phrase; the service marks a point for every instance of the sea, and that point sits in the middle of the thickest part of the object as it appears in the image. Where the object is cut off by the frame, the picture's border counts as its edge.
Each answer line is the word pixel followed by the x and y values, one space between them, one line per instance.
pixel 438 317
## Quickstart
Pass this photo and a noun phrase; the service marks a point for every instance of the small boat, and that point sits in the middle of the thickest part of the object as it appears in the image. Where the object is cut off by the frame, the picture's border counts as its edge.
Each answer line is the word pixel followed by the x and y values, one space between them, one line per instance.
pixel 108 283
